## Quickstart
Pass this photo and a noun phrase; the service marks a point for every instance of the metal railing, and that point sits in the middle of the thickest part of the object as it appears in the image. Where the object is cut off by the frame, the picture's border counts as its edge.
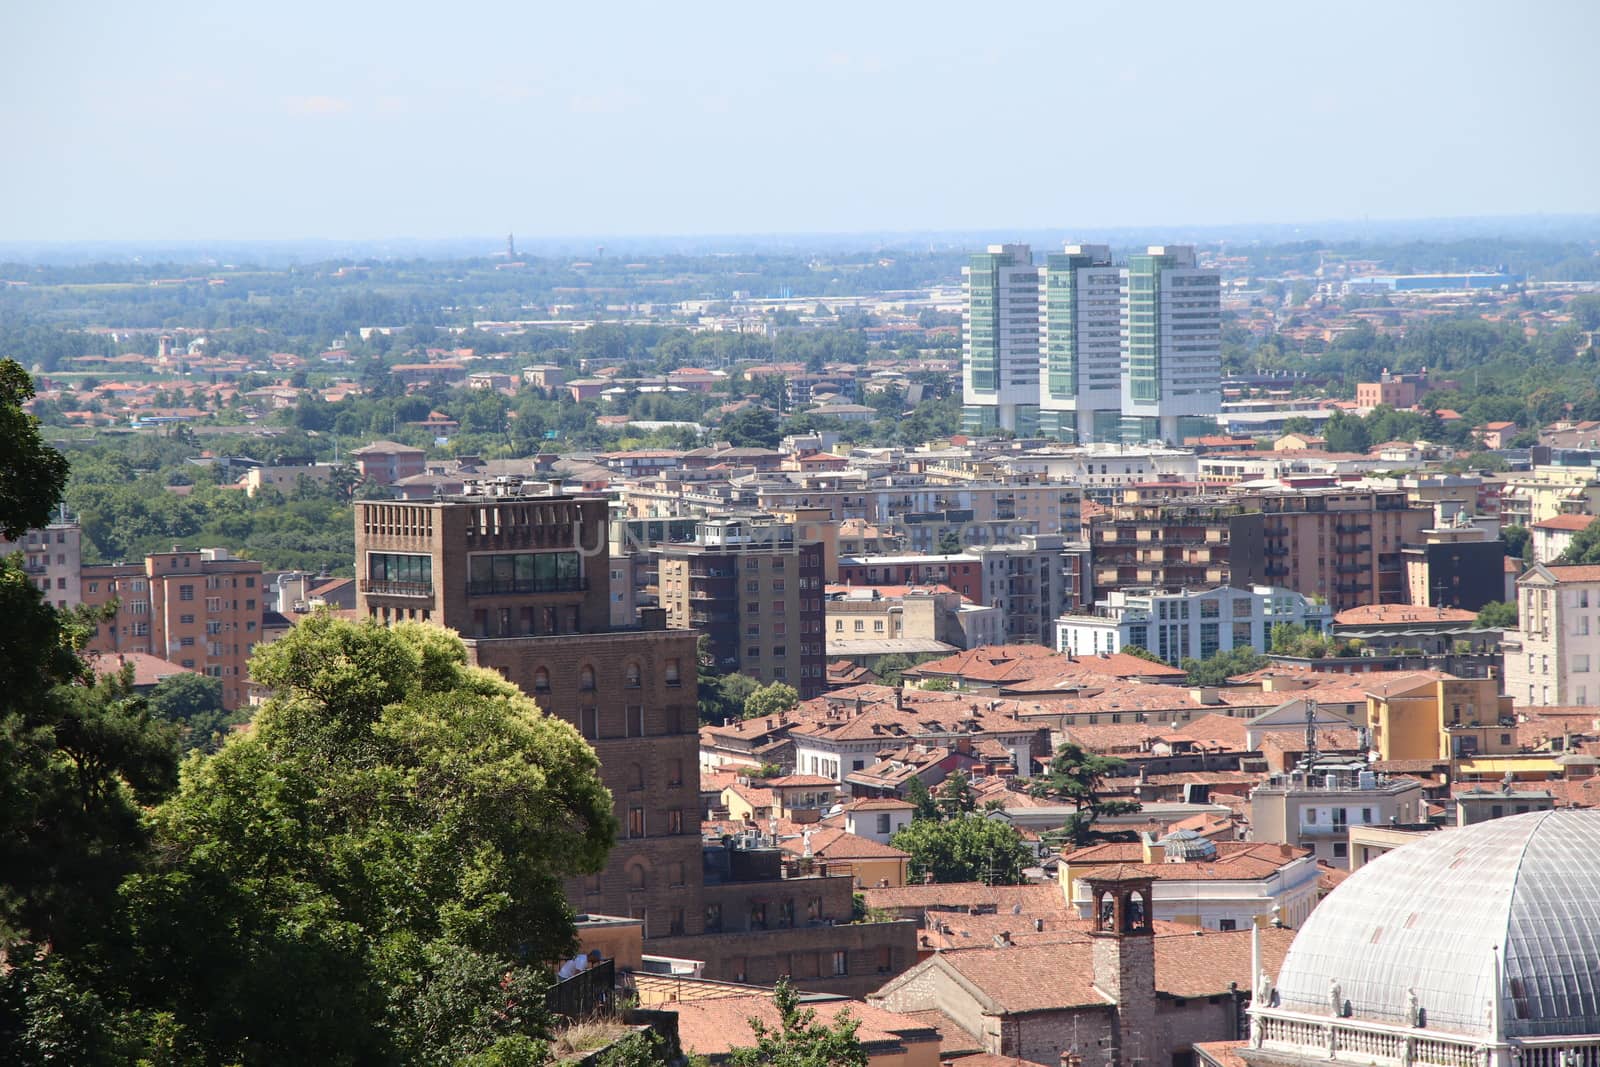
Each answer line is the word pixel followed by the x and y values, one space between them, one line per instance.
pixel 585 993
pixel 502 587
pixel 378 587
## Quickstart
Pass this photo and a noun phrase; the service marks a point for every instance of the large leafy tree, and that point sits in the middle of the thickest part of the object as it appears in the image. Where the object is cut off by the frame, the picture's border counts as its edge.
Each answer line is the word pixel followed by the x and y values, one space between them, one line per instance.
pixel 373 875
pixel 193 703
pixel 1584 546
pixel 800 1040
pixel 967 848
pixel 32 474
pixel 772 699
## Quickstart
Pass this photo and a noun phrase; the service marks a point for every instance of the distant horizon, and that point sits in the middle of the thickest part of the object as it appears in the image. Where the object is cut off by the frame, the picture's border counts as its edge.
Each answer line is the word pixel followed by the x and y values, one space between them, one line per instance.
pixel 1568 227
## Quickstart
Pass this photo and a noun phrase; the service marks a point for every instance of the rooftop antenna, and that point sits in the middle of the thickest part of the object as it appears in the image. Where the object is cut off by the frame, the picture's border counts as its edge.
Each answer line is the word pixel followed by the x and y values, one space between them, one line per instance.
pixel 511 246
pixel 1311 732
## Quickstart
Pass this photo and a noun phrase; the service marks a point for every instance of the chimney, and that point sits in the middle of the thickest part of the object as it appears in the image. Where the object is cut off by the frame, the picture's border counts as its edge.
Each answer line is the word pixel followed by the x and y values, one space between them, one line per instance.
pixel 1002 939
pixel 899 699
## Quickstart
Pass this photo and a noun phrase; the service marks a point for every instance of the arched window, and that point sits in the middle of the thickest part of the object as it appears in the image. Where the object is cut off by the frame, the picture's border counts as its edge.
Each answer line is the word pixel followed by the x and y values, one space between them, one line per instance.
pixel 632 675
pixel 586 679
pixel 1138 914
pixel 636 876
pixel 1108 911
pixel 541 681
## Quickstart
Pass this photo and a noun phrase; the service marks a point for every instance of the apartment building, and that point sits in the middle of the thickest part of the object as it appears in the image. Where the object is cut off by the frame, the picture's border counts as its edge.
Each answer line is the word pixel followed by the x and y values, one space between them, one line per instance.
pixel 52 558
pixel 1315 807
pixel 860 618
pixel 1171 352
pixel 1181 624
pixel 386 462
pixel 1554 655
pixel 1425 715
pixel 1000 341
pixel 1341 544
pixel 1082 314
pixel 756 592
pixel 1173 545
pixel 201 609
pixel 524 579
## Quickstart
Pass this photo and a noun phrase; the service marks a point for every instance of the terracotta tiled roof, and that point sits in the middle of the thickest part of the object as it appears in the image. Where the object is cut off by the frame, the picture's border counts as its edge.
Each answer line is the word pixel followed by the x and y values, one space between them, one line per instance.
pixel 956 896
pixel 799 780
pixel 953 1039
pixel 713 1027
pixel 1575 573
pixel 1223 1053
pixel 147 669
pixel 836 844
pixel 1390 614
pixel 1573 523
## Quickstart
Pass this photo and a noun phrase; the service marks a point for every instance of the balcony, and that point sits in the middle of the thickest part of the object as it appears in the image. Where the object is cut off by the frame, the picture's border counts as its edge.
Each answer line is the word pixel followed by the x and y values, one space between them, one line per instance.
pixel 510 586
pixel 1352 527
pixel 1277 570
pixel 1322 829
pixel 1350 568
pixel 1276 550
pixel 1279 530
pixel 377 587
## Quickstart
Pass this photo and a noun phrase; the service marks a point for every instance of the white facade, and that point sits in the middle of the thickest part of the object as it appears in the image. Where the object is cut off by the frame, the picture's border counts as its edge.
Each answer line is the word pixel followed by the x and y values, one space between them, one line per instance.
pixel 1172 344
pixel 1081 303
pixel 1181 625
pixel 1554 657
pixel 1288 894
pixel 1000 339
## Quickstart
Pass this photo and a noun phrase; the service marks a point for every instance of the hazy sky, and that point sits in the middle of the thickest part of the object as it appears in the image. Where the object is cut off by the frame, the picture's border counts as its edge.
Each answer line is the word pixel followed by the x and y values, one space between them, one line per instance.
pixel 288 120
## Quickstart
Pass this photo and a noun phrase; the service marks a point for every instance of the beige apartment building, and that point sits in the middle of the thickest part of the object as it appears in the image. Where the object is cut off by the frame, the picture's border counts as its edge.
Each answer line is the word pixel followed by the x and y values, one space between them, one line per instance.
pixel 52 558
pixel 1547 491
pixel 201 609
pixel 755 589
pixel 1554 655
pixel 1344 545
pixel 1315 808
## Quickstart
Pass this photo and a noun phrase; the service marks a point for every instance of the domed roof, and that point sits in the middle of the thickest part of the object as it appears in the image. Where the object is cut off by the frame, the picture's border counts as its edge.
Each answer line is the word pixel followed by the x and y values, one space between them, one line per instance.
pixel 1427 918
pixel 1186 846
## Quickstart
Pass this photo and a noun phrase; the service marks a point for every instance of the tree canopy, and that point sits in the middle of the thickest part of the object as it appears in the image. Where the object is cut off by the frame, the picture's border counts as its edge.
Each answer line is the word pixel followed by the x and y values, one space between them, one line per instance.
pixel 799 1040
pixel 969 847
pixel 1498 614
pixel 373 874
pixel 1584 546
pixel 772 699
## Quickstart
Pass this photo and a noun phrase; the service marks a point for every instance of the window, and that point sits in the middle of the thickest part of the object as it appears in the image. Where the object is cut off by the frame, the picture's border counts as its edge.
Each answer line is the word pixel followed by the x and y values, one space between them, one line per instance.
pixel 631 676
pixel 186 642
pixel 861 626
pixel 883 817
pixel 714 924
pixel 752 652
pixel 1341 849
pixel 752 586
pixel 633 720
pixel 541 681
pixel 841 963
pixel 674 821
pixel 523 572
pixel 877 626
pixel 1227 924
pixel 586 679
pixel 671 673
pixel 395 568
pixel 635 822
pixel 185 619
pixel 675 920
pixel 589 723
pixel 675 773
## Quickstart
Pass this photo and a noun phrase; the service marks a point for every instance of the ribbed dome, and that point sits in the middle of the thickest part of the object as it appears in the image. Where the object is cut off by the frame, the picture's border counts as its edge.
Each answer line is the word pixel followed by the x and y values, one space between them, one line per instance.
pixel 1428 917
pixel 1186 846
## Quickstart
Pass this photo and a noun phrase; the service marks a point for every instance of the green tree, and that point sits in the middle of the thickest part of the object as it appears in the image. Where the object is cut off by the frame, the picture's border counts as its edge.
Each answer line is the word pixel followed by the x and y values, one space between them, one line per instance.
pixel 1584 546
pixel 967 848
pixel 1077 775
pixel 1499 615
pixel 1519 542
pixel 374 873
pixel 768 700
pixel 799 1040
pixel 889 668
pixel 1142 653
pixel 752 427
pixel 950 544
pixel 956 795
pixel 193 702
pixel 918 795
pixel 1221 665
pixel 32 474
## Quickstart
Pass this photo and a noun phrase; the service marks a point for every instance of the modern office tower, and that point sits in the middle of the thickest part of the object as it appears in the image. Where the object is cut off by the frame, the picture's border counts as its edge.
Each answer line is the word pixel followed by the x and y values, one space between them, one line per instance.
pixel 524 578
pixel 1171 349
pixel 1081 398
pixel 1000 342
pixel 755 591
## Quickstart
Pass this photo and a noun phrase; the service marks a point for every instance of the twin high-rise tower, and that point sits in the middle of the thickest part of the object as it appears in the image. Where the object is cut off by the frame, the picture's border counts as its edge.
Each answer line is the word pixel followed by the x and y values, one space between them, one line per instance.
pixel 1084 350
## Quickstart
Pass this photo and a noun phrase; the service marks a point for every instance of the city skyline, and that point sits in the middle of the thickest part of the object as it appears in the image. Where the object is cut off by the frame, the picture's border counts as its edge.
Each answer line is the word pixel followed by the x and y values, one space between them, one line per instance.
pixel 329 122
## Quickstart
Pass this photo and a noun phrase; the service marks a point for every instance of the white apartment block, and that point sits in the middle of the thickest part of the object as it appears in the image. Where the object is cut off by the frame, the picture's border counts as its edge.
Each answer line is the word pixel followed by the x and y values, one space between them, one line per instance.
pixel 1554 657
pixel 1081 398
pixel 52 558
pixel 1172 346
pixel 1000 341
pixel 1180 625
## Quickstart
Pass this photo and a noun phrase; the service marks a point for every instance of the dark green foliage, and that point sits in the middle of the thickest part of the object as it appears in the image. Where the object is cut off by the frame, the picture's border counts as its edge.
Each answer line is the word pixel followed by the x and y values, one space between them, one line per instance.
pixel 754 427
pixel 969 847
pixel 1584 546
pixel 193 703
pixel 32 474
pixel 1498 614
pixel 800 1040
pixel 917 793
pixel 1218 667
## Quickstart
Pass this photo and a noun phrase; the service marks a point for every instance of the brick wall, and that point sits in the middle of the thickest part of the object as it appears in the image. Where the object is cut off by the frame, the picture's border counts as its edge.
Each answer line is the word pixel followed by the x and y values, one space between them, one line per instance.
pixel 873 953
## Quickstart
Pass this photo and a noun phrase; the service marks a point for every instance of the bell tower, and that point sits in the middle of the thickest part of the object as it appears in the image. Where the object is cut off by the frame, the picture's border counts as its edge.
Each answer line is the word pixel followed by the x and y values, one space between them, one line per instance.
pixel 1123 950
